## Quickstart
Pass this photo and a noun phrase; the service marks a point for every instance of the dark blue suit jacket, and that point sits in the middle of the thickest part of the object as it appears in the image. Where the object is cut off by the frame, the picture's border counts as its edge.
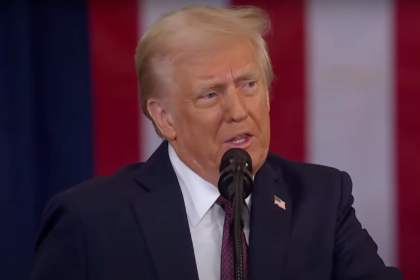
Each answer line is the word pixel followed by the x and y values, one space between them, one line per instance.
pixel 133 226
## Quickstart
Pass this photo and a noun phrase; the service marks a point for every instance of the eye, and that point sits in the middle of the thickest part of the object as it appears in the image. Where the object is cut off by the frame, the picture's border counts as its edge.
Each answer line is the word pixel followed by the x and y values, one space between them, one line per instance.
pixel 210 95
pixel 251 84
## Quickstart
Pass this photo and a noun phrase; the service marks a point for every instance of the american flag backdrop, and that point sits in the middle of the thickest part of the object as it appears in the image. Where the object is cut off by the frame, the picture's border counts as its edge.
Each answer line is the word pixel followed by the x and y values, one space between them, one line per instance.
pixel 346 94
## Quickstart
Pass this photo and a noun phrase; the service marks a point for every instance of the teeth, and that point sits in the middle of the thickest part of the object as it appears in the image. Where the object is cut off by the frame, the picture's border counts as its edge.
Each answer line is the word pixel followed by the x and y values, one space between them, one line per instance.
pixel 239 141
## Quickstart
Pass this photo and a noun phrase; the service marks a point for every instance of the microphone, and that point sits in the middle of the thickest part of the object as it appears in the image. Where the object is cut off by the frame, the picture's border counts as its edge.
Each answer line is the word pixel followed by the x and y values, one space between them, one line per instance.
pixel 235 184
pixel 235 161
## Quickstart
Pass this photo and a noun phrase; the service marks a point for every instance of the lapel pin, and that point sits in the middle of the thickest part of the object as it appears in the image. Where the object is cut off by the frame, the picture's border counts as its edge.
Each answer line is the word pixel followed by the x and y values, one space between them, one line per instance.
pixel 279 202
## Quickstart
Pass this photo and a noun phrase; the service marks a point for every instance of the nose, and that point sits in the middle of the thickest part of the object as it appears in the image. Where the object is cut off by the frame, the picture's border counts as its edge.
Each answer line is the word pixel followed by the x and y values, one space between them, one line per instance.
pixel 235 106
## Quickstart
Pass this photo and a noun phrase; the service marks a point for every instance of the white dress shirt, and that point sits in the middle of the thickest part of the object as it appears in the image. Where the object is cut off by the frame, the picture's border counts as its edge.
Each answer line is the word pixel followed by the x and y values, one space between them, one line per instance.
pixel 205 218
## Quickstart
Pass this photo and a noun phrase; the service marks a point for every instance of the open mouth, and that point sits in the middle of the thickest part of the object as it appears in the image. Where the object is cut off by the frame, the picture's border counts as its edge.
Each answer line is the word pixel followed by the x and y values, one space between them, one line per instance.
pixel 240 140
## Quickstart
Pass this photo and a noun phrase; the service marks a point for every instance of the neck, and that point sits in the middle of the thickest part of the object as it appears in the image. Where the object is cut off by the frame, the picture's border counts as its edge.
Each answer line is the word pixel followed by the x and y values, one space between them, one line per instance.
pixel 207 172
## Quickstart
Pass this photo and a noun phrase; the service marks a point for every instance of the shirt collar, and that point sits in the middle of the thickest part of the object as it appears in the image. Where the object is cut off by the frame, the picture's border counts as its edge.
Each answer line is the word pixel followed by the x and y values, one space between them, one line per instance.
pixel 199 195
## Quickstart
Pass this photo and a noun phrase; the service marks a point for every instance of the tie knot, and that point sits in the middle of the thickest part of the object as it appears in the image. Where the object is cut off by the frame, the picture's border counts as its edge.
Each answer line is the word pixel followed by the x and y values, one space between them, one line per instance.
pixel 225 204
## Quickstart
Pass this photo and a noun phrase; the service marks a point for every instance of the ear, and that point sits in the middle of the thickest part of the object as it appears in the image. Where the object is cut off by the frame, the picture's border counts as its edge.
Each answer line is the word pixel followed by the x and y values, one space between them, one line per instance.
pixel 161 116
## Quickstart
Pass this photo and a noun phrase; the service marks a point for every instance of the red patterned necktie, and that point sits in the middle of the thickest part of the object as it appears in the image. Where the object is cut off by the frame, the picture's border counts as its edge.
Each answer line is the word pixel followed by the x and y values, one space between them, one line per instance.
pixel 227 266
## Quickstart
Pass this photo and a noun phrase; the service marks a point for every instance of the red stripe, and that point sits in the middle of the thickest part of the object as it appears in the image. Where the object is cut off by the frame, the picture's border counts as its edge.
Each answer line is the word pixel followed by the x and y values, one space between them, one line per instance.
pixel 408 135
pixel 286 45
pixel 113 36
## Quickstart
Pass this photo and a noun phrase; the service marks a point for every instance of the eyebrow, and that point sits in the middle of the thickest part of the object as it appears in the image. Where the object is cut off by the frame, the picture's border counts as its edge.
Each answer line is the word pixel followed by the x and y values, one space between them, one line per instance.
pixel 210 82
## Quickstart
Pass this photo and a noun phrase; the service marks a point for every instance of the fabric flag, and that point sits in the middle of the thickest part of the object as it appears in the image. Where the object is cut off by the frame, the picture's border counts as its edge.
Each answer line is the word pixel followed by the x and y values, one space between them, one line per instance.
pixel 346 94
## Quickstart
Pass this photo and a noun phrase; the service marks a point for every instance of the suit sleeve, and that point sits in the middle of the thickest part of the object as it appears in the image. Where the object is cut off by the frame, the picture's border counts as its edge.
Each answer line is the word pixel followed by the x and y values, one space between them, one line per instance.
pixel 355 252
pixel 60 252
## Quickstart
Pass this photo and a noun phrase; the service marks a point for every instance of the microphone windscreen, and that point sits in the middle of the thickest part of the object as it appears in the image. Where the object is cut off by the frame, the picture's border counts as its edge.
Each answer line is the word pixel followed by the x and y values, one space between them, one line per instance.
pixel 236 155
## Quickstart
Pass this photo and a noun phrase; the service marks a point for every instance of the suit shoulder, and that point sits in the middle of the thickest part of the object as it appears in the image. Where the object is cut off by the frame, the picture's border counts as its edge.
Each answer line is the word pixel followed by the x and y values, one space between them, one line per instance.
pixel 118 186
pixel 312 181
pixel 315 175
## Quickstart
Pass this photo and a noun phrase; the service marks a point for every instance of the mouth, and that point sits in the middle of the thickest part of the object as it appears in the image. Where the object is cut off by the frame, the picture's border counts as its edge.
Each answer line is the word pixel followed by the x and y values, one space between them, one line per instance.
pixel 241 141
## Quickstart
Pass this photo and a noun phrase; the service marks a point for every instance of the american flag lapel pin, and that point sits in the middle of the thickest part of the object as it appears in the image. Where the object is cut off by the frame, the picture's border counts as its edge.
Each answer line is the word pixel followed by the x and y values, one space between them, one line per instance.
pixel 279 202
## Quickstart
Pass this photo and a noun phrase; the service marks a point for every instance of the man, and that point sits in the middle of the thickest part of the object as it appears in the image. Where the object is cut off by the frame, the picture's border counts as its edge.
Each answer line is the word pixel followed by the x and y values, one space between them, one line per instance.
pixel 204 76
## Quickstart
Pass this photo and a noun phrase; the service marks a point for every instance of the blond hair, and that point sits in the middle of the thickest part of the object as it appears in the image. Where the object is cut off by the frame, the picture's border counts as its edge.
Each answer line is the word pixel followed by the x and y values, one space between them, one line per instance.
pixel 197 27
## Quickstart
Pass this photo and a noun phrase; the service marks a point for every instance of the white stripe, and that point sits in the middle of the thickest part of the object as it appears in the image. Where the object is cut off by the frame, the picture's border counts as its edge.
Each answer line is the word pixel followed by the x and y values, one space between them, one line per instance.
pixel 350 105
pixel 149 12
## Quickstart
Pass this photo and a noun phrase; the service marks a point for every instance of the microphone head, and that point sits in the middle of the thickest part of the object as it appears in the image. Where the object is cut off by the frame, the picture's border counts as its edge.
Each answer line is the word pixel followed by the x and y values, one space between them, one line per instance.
pixel 235 160
pixel 236 156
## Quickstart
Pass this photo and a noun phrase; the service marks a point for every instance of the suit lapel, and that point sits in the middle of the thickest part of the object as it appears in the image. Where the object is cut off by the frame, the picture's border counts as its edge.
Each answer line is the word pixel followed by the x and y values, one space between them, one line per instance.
pixel 163 219
pixel 270 225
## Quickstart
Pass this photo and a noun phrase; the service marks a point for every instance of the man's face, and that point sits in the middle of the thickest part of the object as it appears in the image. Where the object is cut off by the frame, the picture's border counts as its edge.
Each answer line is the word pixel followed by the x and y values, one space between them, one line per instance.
pixel 221 102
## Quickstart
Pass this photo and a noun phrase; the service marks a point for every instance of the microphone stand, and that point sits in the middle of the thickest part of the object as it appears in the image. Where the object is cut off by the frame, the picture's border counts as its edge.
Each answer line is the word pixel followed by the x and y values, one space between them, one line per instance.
pixel 238 225
pixel 235 184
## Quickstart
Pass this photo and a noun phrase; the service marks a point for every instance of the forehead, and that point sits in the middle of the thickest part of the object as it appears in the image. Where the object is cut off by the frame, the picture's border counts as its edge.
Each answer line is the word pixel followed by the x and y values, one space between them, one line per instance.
pixel 231 61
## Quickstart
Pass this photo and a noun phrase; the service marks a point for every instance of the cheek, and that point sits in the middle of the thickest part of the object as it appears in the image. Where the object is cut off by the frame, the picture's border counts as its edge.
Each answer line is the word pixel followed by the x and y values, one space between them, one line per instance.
pixel 203 124
pixel 259 107
pixel 259 110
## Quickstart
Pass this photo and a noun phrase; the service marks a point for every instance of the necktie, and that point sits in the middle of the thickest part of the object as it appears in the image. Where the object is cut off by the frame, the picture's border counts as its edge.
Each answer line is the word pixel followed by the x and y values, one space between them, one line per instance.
pixel 227 266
